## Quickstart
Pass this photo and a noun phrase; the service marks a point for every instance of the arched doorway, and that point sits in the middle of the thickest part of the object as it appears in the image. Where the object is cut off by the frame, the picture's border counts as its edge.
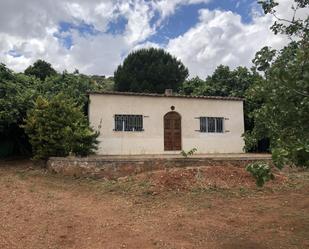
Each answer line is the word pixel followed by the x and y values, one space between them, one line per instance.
pixel 172 131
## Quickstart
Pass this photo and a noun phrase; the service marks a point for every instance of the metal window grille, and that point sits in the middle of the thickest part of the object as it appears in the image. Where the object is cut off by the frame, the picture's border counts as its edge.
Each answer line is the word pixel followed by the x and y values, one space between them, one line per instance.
pixel 211 124
pixel 128 122
pixel 219 125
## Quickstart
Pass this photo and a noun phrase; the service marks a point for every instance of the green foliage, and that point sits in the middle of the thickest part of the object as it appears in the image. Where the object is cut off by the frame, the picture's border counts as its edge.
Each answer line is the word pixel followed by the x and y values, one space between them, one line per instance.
pixel 195 86
pixel 103 83
pixel 74 86
pixel 41 70
pixel 16 94
pixel 188 153
pixel 16 91
pixel 284 94
pixel 263 58
pixel 57 127
pixel 261 171
pixel 150 70
pixel 295 27
pixel 223 82
pixel 227 82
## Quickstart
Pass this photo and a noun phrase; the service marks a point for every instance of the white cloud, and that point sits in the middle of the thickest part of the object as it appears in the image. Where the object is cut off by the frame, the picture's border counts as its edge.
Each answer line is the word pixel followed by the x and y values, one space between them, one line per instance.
pixel 27 29
pixel 221 37
pixel 103 54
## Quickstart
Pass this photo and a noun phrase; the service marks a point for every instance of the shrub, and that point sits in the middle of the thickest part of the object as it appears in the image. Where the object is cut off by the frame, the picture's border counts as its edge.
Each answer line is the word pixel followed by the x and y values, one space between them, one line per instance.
pixel 261 171
pixel 57 127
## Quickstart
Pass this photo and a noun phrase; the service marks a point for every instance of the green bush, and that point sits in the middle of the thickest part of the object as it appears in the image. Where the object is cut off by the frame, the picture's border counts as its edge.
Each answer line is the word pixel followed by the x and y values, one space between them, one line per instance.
pixel 261 171
pixel 57 127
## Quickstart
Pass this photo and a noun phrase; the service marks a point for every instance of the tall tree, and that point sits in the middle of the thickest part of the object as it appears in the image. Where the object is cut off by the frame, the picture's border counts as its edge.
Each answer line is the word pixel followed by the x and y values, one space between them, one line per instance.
pixel 73 85
pixel 17 92
pixel 40 69
pixel 223 82
pixel 227 82
pixel 106 84
pixel 150 70
pixel 17 96
pixel 284 93
pixel 194 86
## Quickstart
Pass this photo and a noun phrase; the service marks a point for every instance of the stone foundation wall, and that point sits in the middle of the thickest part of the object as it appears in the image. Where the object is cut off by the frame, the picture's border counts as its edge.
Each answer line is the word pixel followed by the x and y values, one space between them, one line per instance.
pixel 115 168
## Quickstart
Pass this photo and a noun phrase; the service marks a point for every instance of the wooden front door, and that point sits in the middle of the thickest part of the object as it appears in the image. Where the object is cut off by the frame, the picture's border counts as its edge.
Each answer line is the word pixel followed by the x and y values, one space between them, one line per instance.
pixel 172 131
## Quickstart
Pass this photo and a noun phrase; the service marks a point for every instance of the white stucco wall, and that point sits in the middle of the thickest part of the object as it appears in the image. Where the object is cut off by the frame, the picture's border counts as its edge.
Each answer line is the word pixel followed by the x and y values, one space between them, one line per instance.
pixel 103 107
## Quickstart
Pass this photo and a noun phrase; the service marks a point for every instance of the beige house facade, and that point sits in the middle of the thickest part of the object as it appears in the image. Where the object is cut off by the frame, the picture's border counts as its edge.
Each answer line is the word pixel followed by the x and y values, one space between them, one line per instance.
pixel 139 123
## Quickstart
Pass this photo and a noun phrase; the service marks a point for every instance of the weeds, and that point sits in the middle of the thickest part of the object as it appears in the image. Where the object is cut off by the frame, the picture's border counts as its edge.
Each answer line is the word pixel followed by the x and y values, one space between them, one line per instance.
pixel 185 154
pixel 261 171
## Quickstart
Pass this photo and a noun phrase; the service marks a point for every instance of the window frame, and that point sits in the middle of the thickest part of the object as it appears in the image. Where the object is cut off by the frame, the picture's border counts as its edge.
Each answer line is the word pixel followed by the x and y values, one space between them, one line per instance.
pixel 204 128
pixel 129 120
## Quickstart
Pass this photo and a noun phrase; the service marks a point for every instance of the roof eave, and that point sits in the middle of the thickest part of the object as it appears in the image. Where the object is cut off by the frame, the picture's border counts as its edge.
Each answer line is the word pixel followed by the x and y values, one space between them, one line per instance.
pixel 163 95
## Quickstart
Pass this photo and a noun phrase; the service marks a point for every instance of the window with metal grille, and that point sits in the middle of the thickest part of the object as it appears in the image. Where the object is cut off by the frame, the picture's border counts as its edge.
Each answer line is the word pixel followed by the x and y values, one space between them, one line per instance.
pixel 211 124
pixel 128 122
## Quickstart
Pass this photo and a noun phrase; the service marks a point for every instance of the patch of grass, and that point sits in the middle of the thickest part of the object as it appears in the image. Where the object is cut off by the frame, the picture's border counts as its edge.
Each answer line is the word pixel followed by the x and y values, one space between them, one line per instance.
pixel 118 186
pixel 124 186
pixel 145 184
pixel 23 175
pixel 243 191
pixel 298 178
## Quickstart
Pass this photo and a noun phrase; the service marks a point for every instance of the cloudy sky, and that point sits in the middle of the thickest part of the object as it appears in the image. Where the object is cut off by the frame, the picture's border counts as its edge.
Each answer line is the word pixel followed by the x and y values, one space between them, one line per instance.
pixel 95 36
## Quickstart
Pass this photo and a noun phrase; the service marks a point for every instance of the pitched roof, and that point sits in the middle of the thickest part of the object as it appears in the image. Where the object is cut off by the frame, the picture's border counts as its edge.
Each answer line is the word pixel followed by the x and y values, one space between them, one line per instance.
pixel 164 95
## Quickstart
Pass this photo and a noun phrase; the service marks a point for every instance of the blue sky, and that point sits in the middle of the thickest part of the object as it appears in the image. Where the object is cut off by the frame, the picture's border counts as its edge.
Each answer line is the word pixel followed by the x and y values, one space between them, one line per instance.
pixel 185 17
pixel 95 36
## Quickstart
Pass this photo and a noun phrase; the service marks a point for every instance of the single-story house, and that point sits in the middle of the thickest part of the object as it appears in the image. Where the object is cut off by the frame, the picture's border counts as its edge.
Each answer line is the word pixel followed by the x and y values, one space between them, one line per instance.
pixel 144 123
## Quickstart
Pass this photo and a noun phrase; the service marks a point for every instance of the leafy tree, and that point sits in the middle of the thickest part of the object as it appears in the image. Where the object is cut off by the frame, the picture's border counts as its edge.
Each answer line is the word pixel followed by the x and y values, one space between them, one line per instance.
pixel 103 83
pixel 40 69
pixel 194 86
pixel 17 92
pixel 223 82
pixel 73 85
pixel 227 82
pixel 294 27
pixel 58 127
pixel 150 70
pixel 17 96
pixel 284 93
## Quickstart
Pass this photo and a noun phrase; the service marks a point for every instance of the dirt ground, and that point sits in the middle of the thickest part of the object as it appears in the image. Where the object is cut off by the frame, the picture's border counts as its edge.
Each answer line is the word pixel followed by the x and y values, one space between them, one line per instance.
pixel 206 207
